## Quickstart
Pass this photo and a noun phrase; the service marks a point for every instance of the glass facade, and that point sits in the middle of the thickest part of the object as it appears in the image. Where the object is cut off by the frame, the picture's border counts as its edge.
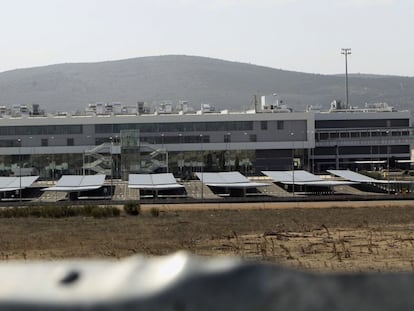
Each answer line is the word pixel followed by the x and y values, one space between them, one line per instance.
pixel 40 130
pixel 175 127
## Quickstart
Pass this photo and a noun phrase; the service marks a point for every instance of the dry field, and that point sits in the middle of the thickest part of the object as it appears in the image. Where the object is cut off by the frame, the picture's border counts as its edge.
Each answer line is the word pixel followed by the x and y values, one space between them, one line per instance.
pixel 356 236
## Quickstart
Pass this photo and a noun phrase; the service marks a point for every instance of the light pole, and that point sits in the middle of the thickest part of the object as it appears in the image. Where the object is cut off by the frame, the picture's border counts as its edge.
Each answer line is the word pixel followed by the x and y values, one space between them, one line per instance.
pixel 54 166
pixel 182 154
pixel 228 140
pixel 293 165
pixel 202 167
pixel 164 150
pixel 244 162
pixel 53 162
pixel 83 163
pixel 388 165
pixel 112 165
pixel 346 52
pixel 20 169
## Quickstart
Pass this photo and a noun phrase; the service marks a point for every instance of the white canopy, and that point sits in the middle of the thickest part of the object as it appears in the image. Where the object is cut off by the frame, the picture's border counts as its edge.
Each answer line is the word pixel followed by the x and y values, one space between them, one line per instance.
pixel 228 180
pixel 303 178
pixel 153 181
pixel 356 177
pixel 16 183
pixel 73 183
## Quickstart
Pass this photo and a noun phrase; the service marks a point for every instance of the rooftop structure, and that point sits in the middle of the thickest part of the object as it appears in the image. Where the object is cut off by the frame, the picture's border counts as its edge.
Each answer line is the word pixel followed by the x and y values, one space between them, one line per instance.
pixel 118 140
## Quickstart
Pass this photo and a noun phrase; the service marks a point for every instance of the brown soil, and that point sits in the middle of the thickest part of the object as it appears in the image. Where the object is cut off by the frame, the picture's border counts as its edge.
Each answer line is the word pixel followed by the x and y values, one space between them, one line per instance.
pixel 349 236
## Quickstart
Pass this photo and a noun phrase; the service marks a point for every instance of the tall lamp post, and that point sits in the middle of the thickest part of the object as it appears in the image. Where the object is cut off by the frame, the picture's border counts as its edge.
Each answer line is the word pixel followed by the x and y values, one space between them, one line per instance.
pixel 346 52
pixel 228 140
pixel 293 165
pixel 164 150
pixel 182 154
pixel 388 164
pixel 20 169
pixel 112 165
pixel 202 167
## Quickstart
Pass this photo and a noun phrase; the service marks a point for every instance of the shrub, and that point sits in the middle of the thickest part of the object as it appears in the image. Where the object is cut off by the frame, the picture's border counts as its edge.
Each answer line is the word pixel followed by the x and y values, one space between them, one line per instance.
pixel 60 211
pixel 97 212
pixel 132 208
pixel 155 212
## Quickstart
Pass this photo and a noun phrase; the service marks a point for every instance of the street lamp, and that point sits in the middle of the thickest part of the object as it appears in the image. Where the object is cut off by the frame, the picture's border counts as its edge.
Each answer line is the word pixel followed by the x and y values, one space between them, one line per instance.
pixel 20 169
pixel 202 167
pixel 112 165
pixel 388 164
pixel 164 150
pixel 228 140
pixel 182 154
pixel 346 52
pixel 293 165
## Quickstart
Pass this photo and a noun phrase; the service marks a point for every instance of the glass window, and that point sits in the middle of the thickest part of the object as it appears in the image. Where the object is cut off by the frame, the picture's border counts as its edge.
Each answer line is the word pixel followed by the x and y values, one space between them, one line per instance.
pixel 41 130
pixel 280 125
pixel 70 142
pixel 44 142
pixel 263 125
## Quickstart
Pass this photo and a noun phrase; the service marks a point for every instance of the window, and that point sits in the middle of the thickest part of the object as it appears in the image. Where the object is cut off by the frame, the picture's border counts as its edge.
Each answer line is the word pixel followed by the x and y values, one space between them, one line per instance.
pixel 263 125
pixel 41 130
pixel 44 142
pixel 70 142
pixel 280 125
pixel 227 138
pixel 253 137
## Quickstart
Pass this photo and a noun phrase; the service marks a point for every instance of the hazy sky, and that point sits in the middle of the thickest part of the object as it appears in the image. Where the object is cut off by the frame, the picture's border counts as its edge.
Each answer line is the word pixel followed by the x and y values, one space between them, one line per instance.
pixel 300 35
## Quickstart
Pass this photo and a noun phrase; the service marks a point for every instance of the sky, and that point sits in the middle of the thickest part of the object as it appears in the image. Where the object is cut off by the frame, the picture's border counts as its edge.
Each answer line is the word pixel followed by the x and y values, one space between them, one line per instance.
pixel 298 35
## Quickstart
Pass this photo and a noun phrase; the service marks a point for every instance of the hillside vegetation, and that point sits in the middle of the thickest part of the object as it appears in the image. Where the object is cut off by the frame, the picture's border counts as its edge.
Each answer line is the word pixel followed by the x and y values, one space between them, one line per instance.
pixel 197 79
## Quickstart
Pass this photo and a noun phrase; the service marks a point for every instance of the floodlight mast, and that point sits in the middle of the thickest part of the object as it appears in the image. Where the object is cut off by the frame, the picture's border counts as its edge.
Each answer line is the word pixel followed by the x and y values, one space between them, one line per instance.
pixel 346 52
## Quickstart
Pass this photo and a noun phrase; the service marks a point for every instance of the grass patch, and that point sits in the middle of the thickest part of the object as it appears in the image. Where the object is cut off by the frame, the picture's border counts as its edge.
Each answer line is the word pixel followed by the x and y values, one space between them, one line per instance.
pixel 60 211
pixel 132 208
pixel 155 212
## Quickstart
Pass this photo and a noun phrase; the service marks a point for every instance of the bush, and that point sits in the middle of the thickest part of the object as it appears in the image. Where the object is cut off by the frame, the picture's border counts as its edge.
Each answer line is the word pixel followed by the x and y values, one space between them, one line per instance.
pixel 155 212
pixel 60 211
pixel 132 208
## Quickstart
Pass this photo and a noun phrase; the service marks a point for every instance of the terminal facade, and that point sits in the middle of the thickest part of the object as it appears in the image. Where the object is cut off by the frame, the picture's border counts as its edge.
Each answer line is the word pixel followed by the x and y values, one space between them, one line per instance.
pixel 117 141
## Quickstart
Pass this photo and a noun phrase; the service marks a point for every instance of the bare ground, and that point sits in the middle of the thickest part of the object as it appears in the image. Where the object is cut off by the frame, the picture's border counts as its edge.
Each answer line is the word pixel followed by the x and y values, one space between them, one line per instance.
pixel 339 236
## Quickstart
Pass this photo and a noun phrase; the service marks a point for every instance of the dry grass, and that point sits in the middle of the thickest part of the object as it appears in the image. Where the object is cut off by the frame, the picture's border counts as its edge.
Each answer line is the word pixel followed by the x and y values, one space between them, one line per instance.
pixel 332 239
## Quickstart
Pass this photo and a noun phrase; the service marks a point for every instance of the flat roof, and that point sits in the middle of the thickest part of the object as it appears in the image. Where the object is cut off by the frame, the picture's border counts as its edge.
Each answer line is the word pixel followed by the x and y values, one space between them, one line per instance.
pixel 228 180
pixel 304 178
pixel 161 181
pixel 356 177
pixel 16 183
pixel 73 183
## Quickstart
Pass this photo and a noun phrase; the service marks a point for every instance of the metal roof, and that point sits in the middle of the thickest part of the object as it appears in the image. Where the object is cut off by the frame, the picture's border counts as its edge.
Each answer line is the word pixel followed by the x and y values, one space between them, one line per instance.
pixel 72 183
pixel 153 181
pixel 353 176
pixel 228 180
pixel 356 177
pixel 301 177
pixel 16 183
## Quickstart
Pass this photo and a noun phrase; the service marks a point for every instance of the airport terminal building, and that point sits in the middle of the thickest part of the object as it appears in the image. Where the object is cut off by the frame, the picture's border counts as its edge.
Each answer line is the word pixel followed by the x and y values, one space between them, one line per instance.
pixel 115 140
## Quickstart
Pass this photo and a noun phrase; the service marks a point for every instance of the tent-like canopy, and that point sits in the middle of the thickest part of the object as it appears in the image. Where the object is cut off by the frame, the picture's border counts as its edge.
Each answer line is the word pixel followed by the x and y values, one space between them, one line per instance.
pixel 162 181
pixel 74 183
pixel 16 183
pixel 359 178
pixel 303 178
pixel 228 180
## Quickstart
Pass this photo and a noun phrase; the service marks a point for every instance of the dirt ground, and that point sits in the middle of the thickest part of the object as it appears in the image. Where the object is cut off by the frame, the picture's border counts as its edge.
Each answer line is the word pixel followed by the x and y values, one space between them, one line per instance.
pixel 328 236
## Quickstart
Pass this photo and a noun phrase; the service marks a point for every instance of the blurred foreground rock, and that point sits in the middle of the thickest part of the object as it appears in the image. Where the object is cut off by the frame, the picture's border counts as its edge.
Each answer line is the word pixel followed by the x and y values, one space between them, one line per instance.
pixel 181 282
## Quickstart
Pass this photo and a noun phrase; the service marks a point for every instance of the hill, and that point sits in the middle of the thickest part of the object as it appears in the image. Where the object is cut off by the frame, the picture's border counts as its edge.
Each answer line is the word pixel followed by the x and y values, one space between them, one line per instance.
pixel 197 79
